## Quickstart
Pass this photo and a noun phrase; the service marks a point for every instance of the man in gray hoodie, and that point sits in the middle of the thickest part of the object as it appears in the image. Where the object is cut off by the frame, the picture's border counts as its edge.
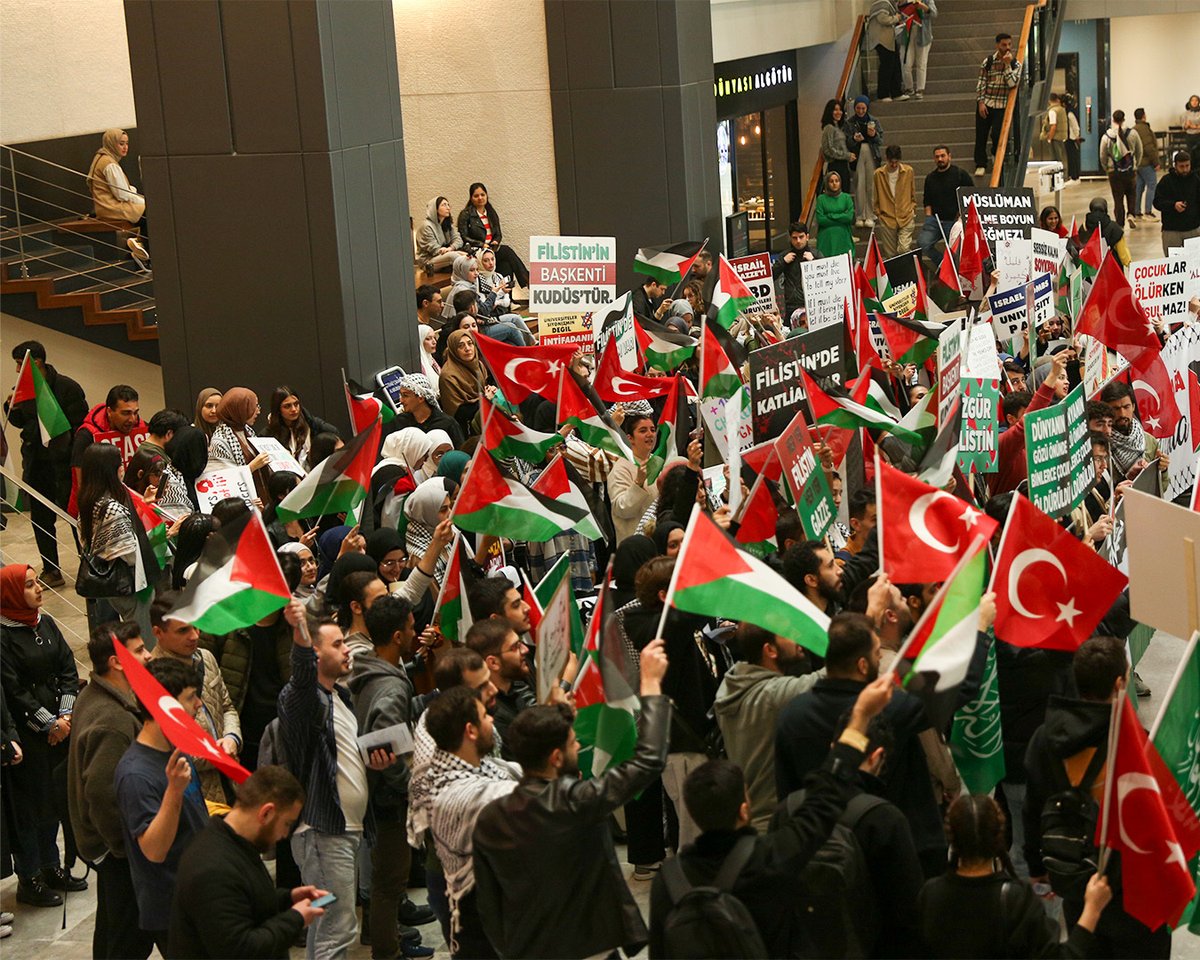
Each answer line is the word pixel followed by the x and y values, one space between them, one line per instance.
pixel 383 696
pixel 768 674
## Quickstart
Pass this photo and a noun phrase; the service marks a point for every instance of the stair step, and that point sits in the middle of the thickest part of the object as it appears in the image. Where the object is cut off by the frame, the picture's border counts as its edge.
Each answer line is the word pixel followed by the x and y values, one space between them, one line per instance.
pixel 125 297
pixel 93 281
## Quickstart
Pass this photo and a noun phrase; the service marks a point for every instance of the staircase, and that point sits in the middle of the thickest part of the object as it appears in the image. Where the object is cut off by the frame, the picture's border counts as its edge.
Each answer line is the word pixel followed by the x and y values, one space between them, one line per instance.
pixel 963 34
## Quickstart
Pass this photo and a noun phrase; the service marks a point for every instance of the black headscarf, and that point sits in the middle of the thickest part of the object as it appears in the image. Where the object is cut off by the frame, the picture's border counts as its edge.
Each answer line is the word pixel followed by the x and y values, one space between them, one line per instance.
pixel 188 451
pixel 382 542
pixel 662 533
pixel 631 553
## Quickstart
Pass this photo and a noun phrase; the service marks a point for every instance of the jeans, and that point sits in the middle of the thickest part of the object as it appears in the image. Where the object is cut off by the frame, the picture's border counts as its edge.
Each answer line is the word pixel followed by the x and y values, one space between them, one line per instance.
pixel 504 332
pixel 864 183
pixel 435 889
pixel 985 127
pixel 1147 183
pixel 1121 185
pixel 327 861
pixel 35 848
pixel 916 59
pixel 679 765
pixel 930 236
pixel 1014 797
pixel 117 934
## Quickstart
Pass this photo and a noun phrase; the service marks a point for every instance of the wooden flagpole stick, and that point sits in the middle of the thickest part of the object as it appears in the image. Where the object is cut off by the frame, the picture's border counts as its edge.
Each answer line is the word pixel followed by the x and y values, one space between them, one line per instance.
pixel 687 539
pixel 1189 566
pixel 1114 735
pixel 1188 652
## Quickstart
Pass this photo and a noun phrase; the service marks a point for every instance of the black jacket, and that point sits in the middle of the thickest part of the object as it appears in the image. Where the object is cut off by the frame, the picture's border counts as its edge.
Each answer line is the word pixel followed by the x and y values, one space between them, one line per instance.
pixel 643 306
pixel 472 229
pixel 226 904
pixel 1027 678
pixel 765 884
pixel 69 395
pixel 787 277
pixel 546 875
pixel 438 420
pixel 805 731
pixel 1171 189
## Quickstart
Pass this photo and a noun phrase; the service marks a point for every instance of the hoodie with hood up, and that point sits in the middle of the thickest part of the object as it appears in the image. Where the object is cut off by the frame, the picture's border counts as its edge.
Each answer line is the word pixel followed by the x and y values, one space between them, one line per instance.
pixel 747 706
pixel 433 234
pixel 383 697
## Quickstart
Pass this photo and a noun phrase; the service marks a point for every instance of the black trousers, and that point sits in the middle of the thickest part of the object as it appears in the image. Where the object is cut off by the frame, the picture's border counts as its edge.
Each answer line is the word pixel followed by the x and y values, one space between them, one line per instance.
pixel 644 826
pixel 117 934
pixel 54 483
pixel 509 262
pixel 1073 160
pixel 890 82
pixel 473 943
pixel 1124 194
pixel 985 127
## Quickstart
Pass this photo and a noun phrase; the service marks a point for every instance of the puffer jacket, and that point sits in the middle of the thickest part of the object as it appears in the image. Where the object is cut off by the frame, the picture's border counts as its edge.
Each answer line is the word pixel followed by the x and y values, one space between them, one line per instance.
pixel 546 848
pixel 382 695
pixel 234 655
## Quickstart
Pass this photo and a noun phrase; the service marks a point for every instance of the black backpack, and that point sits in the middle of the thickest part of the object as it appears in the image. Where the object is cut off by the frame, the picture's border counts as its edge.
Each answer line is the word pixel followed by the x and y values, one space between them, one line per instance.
pixel 709 922
pixel 1068 823
pixel 835 898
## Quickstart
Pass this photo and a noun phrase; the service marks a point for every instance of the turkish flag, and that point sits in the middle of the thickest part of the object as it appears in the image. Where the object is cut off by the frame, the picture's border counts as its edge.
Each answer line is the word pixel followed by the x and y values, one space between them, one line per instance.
pixel 1113 315
pixel 974 246
pixel 184 733
pixel 923 531
pixel 520 371
pixel 1152 825
pixel 1158 408
pixel 1051 590
pixel 615 384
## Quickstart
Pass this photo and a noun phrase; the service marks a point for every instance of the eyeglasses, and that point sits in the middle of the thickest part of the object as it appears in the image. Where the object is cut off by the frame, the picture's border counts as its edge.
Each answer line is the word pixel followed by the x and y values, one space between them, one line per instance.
pixel 392 563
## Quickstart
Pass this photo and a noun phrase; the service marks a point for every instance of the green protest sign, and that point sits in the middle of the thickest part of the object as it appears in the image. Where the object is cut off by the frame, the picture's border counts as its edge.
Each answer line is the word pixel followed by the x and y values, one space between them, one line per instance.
pixel 979 431
pixel 1058 454
pixel 805 479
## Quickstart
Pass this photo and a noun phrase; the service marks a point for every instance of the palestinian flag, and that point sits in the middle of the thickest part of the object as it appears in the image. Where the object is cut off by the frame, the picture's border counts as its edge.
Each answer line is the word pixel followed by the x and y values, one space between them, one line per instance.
pixel 718 376
pixel 922 310
pixel 490 502
pixel 237 582
pixel 870 393
pixel 155 526
pixel 554 483
pixel 757 519
pixel 944 643
pixel 875 271
pixel 936 467
pixel 713 577
pixel 364 407
pixel 1092 255
pixel 548 586
pixel 730 295
pixel 858 326
pixel 663 349
pixel 31 385
pixel 507 438
pixel 868 301
pixel 452 612
pixel 667 264
pixel 606 701
pixel 593 424
pixel 338 484
pixel 844 412
pixel 675 426
pixel 910 340
pixel 615 322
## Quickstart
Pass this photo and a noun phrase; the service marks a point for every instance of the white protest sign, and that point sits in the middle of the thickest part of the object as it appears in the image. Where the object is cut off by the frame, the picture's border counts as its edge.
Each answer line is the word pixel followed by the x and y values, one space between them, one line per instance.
pixel 571 273
pixel 553 641
pixel 1160 574
pixel 1013 258
pixel 827 288
pixel 1161 287
pixel 1100 365
pixel 981 359
pixel 755 271
pixel 1190 251
pixel 1009 315
pixel 281 459
pixel 213 486
pixel 712 409
pixel 949 361
pixel 1181 355
pixel 1048 251
pixel 616 321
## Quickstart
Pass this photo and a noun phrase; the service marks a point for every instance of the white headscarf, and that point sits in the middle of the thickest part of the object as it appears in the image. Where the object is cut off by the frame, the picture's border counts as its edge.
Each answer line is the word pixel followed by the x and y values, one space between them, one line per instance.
pixel 410 446
pixel 437 438
pixel 429 366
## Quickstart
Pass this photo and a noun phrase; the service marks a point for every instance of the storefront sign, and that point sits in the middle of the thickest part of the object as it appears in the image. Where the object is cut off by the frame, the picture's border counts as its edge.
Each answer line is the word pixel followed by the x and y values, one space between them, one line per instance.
pixel 755 271
pixel 827 288
pixel 571 273
pixel 775 387
pixel 1059 455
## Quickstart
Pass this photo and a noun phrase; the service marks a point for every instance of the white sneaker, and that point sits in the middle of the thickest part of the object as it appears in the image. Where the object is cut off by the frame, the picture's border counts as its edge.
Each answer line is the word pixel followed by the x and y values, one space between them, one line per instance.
pixel 870 223
pixel 5 931
pixel 919 95
pixel 980 171
pixel 904 96
pixel 887 99
pixel 139 252
pixel 860 222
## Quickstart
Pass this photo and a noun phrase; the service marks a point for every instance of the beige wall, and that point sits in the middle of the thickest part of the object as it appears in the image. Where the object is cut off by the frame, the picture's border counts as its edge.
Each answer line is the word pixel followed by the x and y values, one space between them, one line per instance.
pixel 475 92
pixel 744 28
pixel 1139 41
pixel 64 69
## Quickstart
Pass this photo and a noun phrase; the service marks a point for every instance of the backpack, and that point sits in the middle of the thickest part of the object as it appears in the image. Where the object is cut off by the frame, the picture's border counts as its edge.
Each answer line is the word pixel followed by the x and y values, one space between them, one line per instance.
pixel 709 921
pixel 835 896
pixel 1068 822
pixel 1122 162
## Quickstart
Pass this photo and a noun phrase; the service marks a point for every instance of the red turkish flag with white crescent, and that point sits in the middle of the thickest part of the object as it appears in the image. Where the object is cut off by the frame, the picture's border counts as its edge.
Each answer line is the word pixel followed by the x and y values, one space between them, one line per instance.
pixel 1157 405
pixel 615 384
pixel 184 733
pixel 520 371
pixel 1051 589
pixel 924 531
pixel 1156 833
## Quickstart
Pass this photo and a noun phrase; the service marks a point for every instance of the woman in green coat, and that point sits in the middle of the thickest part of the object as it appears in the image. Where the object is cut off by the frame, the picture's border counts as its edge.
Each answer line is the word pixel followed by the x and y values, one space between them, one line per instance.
pixel 835 218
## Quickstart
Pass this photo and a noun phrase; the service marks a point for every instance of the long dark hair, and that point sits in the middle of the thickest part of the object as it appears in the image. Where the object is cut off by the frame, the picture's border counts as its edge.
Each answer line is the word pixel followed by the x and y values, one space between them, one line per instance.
pixel 827 115
pixel 98 478
pixel 450 216
pixel 189 542
pixel 487 204
pixel 143 467
pixel 277 427
pixel 975 830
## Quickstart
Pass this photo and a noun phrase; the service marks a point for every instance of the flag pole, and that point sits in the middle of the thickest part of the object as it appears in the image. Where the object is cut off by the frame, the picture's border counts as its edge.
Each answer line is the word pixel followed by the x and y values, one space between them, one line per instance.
pixel 1114 735
pixel 687 539
pixel 1188 652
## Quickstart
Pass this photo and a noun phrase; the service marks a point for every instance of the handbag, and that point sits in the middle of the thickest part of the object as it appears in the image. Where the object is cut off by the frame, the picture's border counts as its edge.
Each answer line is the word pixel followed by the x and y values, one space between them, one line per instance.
pixel 98 579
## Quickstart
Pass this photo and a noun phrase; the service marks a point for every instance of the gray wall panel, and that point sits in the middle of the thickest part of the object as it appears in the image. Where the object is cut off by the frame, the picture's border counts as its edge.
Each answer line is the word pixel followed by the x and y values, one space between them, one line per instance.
pixel 191 77
pixel 139 29
pixel 261 73
pixel 637 50
pixel 588 38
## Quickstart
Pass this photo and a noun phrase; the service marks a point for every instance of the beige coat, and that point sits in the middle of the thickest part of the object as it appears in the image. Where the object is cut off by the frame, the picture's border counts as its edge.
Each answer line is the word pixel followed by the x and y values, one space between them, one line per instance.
pixel 108 205
pixel 897 210
pixel 629 500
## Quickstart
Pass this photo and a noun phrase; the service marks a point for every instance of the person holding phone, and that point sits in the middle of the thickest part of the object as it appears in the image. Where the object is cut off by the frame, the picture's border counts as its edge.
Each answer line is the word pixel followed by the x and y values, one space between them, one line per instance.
pixel 226 904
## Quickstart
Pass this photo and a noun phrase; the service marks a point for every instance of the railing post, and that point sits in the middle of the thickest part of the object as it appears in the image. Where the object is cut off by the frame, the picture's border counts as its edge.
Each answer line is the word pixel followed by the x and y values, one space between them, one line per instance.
pixel 12 167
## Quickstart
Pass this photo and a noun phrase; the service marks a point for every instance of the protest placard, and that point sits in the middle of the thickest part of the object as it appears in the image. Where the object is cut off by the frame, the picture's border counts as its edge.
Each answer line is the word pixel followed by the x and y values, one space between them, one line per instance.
pixel 755 271
pixel 1181 356
pixel 127 443
pixel 712 410
pixel 775 388
pixel 805 478
pixel 827 287
pixel 616 320
pixel 571 273
pixel 566 328
pixel 980 358
pixel 1115 547
pixel 1002 212
pixel 980 425
pixel 1048 251
pixel 1011 309
pixel 1160 286
pixel 1164 562
pixel 213 486
pixel 281 460
pixel 1058 455
pixel 1013 258
pixel 949 365
pixel 902 277
pixel 553 640
pixel 1190 251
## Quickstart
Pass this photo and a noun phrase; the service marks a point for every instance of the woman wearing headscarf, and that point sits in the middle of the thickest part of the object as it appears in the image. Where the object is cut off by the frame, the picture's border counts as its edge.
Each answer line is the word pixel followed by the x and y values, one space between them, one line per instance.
pixel 630 554
pixel 308 568
pixel 40 681
pixel 440 443
pixel 207 418
pixel 479 225
pixel 463 376
pixel 682 317
pixel 505 327
pixel 428 342
pixel 668 537
pixel 188 451
pixel 410 447
pixel 835 218
pixel 438 241
pixel 452 466
pixel 424 509
pixel 329 549
pixel 112 194
pixel 865 136
pixel 230 444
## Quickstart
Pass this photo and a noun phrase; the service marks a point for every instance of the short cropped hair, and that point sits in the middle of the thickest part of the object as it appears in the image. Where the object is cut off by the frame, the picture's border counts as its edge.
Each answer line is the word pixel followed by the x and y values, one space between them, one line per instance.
pixel 1097 665
pixel 486 637
pixel 450 667
pixel 851 637
pixel 537 732
pixel 446 718
pixel 100 642
pixel 270 784
pixel 713 793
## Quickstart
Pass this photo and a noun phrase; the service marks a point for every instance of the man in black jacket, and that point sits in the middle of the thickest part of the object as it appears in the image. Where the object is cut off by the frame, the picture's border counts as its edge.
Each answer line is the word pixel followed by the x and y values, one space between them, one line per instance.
pixel 1059 753
pixel 716 797
pixel 786 269
pixel 47 467
pixel 1178 197
pixel 226 904
pixel 547 879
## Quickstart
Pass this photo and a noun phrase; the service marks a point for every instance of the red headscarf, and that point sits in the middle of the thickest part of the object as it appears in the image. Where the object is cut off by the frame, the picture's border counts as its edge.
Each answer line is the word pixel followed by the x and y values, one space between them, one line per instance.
pixel 12 595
